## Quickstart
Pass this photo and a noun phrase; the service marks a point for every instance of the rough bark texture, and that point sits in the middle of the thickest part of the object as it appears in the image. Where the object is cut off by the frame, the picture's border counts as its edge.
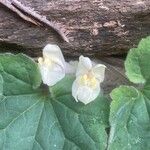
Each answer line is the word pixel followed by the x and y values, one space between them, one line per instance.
pixel 94 27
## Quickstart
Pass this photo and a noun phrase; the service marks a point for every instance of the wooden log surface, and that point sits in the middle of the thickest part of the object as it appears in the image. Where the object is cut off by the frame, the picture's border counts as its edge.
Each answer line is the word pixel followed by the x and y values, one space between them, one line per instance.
pixel 94 27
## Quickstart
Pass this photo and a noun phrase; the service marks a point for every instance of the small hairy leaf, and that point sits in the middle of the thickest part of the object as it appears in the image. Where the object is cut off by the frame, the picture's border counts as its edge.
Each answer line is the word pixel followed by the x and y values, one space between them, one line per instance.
pixel 137 64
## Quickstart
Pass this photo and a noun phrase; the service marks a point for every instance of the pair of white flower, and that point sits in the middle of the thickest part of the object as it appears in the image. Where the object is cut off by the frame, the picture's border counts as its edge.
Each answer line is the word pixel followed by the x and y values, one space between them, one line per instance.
pixel 53 68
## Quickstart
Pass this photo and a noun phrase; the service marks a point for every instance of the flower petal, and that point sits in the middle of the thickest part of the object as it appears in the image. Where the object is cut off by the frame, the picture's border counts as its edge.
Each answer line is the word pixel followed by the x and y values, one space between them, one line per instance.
pixel 53 52
pixel 84 94
pixel 99 72
pixel 84 65
pixel 51 75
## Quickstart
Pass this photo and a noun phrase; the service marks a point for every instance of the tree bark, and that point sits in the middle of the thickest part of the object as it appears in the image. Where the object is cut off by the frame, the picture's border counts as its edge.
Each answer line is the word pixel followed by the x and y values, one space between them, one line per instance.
pixel 94 27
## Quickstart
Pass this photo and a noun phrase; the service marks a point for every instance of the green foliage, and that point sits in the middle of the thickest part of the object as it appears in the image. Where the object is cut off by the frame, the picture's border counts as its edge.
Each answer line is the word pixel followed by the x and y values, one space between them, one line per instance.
pixel 34 117
pixel 37 117
pixel 138 62
pixel 130 108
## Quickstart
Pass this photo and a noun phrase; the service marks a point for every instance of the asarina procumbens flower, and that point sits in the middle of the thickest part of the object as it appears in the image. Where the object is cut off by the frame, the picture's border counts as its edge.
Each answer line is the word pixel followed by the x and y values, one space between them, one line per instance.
pixel 86 87
pixel 52 65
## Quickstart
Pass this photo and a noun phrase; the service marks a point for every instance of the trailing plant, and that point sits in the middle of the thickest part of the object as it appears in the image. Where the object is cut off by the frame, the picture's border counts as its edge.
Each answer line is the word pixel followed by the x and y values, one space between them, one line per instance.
pixel 56 105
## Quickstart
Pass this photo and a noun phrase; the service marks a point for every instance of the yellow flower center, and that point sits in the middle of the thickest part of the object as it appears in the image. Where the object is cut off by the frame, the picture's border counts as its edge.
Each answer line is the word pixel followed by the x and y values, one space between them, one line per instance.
pixel 88 80
pixel 45 61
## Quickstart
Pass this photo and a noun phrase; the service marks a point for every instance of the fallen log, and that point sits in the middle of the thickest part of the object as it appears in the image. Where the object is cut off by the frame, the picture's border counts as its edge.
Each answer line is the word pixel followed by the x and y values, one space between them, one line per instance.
pixel 93 27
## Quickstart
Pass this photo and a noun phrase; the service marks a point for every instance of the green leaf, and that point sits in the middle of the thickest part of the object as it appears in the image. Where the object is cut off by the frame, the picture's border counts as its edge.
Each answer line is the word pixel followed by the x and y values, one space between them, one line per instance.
pixel 130 109
pixel 129 120
pixel 20 73
pixel 138 62
pixel 45 118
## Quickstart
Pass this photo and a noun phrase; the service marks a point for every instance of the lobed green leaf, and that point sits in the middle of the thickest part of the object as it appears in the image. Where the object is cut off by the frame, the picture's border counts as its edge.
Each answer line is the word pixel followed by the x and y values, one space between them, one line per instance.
pixel 34 117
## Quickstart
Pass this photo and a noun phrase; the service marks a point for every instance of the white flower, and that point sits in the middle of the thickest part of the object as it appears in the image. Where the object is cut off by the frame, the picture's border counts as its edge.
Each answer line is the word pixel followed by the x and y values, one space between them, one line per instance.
pixel 86 87
pixel 52 65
